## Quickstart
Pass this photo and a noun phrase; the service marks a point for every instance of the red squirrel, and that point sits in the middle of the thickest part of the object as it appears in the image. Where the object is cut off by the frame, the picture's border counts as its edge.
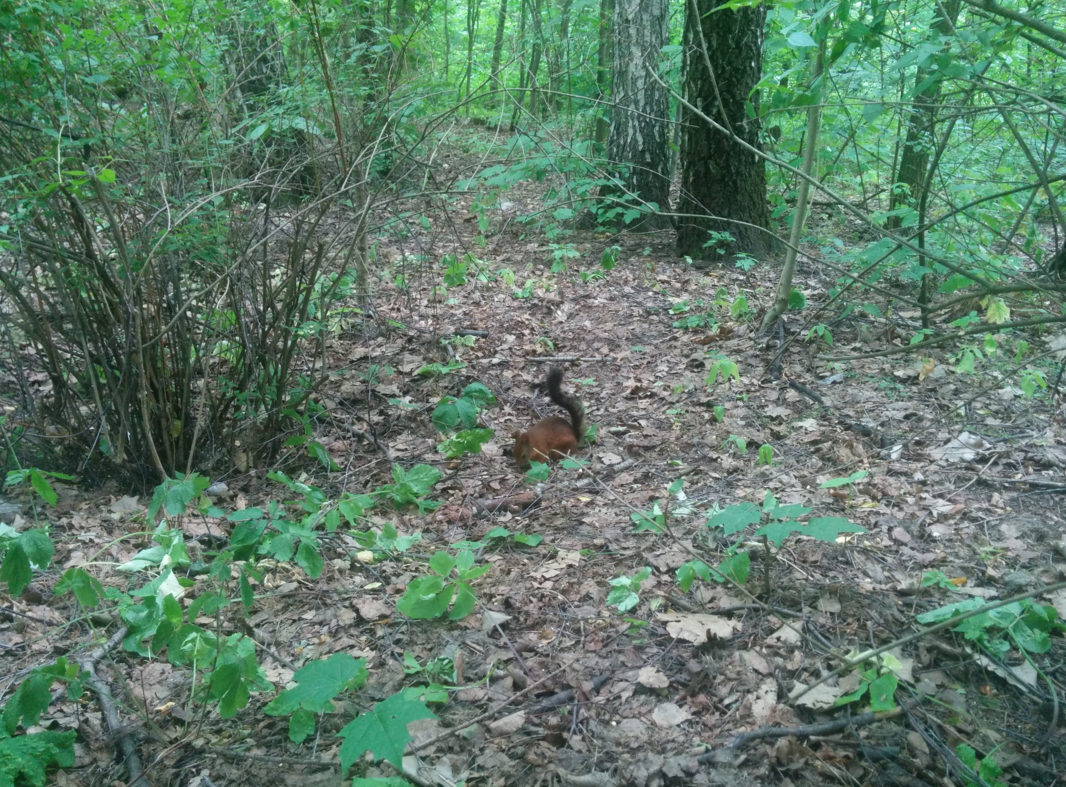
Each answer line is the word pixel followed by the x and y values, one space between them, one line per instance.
pixel 554 436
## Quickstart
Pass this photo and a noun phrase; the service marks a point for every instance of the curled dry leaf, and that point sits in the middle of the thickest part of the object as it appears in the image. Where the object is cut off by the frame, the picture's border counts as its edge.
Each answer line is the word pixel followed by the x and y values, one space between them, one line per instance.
pixel 698 628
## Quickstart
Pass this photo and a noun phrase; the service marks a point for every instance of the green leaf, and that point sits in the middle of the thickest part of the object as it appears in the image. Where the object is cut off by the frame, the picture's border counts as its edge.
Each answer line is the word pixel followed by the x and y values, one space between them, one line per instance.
pixel 86 588
pixel 476 392
pixel 301 726
pixel 828 528
pixel 382 731
pixel 38 547
pixel 442 563
pixel 42 487
pixel 308 558
pixel 941 614
pixel 538 472
pixel 801 39
pixel 16 570
pixel 426 598
pixel 468 441
pixel 883 693
pixel 25 759
pixel 318 682
pixel 735 518
pixel 29 701
pixel 106 175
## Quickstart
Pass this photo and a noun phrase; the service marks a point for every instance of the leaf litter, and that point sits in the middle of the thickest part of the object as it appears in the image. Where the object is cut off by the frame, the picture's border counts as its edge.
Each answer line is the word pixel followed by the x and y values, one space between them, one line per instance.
pixel 548 674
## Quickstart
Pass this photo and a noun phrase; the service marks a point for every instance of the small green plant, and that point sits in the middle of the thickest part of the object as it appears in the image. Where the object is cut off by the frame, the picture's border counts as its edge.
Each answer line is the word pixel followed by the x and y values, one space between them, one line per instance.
pixel 318 683
pixel 609 258
pixel 467 441
pixel 527 290
pixel 438 369
pixel 625 591
pixel 848 481
pixel 796 300
pixel 878 680
pixel 544 345
pixel 766 455
pixel 745 261
pixel 1031 380
pixel 655 518
pixel 497 538
pixel 822 332
pixel 561 252
pixel 719 241
pixel 430 596
pixel 739 307
pixel 451 411
pixel 987 769
pixel 735 442
pixel 722 367
pixel 38 480
pixel 20 554
pixel 25 758
pixel 719 413
pixel 1026 624
pixel 937 579
pixel 411 487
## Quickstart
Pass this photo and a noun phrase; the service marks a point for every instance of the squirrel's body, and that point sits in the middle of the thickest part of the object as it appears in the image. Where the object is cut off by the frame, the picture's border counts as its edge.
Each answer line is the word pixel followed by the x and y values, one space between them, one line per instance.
pixel 554 436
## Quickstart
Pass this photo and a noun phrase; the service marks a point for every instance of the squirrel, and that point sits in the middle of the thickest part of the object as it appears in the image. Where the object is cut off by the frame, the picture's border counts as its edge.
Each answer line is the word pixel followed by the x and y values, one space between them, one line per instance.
pixel 554 436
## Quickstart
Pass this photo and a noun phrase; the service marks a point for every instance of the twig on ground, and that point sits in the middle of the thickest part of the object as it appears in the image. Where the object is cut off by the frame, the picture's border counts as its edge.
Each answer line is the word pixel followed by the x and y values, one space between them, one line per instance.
pixel 134 771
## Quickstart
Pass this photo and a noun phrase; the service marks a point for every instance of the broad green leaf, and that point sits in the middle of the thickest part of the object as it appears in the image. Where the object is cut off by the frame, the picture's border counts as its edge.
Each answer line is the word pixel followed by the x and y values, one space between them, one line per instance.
pixel 318 682
pixel 883 693
pixel 301 726
pixel 426 598
pixel 382 731
pixel 735 518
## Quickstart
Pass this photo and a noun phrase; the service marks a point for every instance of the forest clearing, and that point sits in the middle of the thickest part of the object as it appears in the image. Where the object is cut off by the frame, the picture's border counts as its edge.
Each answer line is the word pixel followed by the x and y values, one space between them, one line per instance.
pixel 625 393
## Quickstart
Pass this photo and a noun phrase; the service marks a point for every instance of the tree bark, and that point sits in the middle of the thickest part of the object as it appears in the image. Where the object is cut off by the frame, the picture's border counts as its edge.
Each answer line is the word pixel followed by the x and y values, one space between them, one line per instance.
pixel 638 141
pixel 723 186
pixel 497 44
pixel 921 127
pixel 603 68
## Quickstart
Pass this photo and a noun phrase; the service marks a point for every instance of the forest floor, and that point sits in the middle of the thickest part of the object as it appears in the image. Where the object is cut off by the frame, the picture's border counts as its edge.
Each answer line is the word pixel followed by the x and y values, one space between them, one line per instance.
pixel 564 688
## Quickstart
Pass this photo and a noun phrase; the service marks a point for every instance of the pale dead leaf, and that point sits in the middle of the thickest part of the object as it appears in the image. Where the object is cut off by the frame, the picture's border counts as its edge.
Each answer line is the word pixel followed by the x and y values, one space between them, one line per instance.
pixel 126 505
pixel 508 725
pixel 694 628
pixel 371 609
pixel 819 697
pixel 765 700
pixel 756 661
pixel 669 715
pixel 652 678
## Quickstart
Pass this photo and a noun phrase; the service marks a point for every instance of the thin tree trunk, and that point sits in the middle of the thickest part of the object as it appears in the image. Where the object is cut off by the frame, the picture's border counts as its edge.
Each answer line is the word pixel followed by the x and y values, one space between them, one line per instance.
pixel 810 151
pixel 604 56
pixel 921 126
pixel 473 10
pixel 497 45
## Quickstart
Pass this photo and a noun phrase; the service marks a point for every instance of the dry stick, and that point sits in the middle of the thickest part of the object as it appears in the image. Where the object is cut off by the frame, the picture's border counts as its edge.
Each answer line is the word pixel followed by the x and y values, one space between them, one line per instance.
pixel 807 730
pixel 490 713
pixel 566 359
pixel 926 632
pixel 107 705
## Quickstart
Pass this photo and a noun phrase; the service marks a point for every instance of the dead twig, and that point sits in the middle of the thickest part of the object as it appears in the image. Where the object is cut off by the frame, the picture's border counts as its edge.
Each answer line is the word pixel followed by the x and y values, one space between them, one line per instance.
pixel 107 704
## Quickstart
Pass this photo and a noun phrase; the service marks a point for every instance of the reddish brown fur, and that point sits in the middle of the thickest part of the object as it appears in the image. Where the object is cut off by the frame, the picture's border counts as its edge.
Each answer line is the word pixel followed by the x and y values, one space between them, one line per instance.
pixel 554 436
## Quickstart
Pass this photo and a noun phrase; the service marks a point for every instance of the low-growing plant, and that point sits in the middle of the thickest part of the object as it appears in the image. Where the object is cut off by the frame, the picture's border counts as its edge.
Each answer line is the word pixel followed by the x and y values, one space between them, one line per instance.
pixel 625 591
pixel 431 596
pixel 499 537
pixel 453 411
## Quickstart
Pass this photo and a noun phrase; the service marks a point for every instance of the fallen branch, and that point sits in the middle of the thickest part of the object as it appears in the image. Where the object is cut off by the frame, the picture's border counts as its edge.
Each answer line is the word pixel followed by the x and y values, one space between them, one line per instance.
pixel 107 705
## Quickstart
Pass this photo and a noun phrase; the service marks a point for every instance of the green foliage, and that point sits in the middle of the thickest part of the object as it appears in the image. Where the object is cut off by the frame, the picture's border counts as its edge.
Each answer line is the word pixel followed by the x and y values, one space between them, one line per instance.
pixel 766 455
pixel 499 537
pixel 734 441
pixel 1026 624
pixel 430 596
pixel 440 369
pixel 317 684
pixel 625 591
pixel 38 481
pixel 25 759
pixel 412 486
pixel 20 554
pixel 453 411
pixel 722 367
pixel 382 731
pixel 987 769
pixel 878 680
pixel 467 441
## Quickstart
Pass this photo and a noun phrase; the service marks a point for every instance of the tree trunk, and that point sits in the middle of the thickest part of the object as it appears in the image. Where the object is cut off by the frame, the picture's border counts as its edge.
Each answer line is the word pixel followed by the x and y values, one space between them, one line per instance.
pixel 921 127
pixel 497 45
pixel 448 45
pixel 638 142
pixel 603 68
pixel 799 216
pixel 473 11
pixel 723 186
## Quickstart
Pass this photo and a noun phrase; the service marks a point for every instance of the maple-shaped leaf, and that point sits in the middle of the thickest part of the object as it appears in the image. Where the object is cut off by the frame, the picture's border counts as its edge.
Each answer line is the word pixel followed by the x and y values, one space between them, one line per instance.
pixel 382 731
pixel 318 682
